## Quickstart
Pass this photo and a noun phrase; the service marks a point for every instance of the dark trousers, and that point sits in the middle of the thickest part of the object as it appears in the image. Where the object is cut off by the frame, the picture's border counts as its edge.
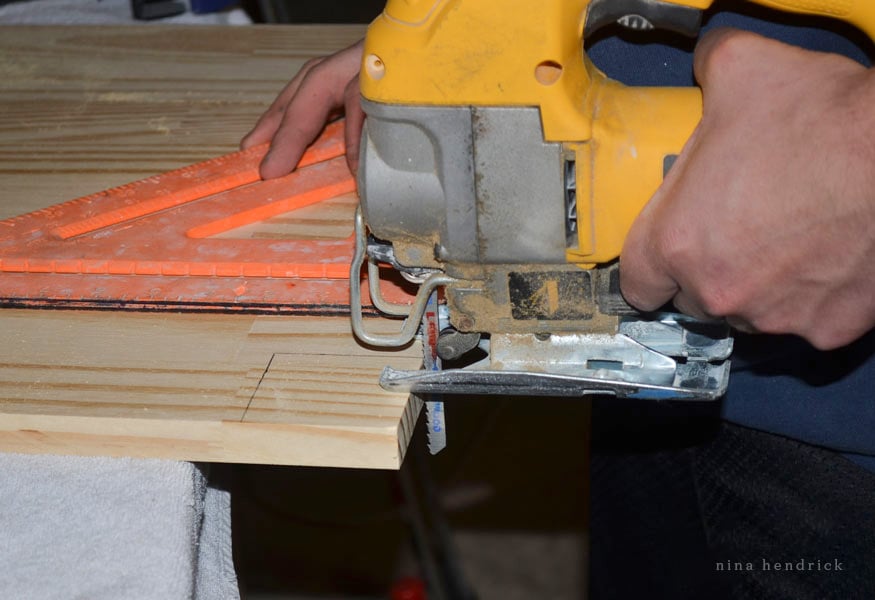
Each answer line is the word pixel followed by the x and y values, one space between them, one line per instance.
pixel 685 506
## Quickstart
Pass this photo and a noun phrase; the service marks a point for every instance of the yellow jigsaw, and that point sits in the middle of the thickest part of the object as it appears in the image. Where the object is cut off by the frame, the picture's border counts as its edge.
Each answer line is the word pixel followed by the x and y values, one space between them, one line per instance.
pixel 501 170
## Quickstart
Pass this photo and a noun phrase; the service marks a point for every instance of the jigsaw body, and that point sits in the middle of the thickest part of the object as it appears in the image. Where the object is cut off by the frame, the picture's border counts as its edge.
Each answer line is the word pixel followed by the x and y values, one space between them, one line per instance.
pixel 500 166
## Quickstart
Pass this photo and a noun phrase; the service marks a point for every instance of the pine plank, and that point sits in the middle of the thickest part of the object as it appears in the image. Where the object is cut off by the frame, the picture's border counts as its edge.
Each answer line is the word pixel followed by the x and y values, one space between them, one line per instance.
pixel 86 108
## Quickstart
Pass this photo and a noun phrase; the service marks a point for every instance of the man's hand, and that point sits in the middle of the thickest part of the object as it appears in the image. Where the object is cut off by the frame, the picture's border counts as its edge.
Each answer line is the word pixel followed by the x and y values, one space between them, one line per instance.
pixel 767 217
pixel 323 88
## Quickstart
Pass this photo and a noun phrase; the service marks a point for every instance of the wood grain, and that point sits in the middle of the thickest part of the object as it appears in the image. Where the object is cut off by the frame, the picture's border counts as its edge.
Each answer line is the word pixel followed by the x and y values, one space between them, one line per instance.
pixel 86 108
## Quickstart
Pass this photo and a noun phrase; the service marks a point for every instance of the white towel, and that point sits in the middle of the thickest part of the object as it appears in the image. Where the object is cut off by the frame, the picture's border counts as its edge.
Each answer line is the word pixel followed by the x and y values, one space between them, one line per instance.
pixel 102 528
pixel 107 529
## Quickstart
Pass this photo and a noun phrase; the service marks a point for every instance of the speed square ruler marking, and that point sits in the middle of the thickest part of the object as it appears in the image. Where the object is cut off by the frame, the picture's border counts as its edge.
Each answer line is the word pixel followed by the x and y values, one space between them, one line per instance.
pixel 149 244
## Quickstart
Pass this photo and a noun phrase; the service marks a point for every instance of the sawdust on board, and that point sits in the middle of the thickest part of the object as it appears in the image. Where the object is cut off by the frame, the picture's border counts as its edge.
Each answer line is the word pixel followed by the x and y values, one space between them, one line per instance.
pixel 160 125
pixel 16 67
pixel 121 97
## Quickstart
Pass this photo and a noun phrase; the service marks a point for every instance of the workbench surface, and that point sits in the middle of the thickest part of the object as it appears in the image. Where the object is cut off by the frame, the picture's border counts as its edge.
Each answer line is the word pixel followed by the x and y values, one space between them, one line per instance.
pixel 86 108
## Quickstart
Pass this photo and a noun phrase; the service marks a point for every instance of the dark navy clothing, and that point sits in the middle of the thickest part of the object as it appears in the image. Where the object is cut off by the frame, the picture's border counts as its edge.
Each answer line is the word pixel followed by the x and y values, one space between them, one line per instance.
pixel 656 58
pixel 779 385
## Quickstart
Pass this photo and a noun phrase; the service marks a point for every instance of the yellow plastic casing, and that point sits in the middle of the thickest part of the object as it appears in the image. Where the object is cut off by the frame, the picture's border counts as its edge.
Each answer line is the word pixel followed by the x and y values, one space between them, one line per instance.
pixel 634 131
pixel 482 53
pixel 519 53
pixel 524 53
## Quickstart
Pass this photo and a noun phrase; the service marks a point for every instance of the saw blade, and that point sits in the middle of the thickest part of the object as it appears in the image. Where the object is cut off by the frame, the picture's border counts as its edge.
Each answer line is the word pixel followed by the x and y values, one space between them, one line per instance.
pixel 437 431
pixel 434 406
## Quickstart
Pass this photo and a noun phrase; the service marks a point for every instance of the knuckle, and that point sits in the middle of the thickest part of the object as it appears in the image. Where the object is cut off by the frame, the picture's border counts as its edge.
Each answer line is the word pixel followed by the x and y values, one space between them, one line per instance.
pixel 803 320
pixel 721 52
pixel 674 238
pixel 674 247
pixel 726 292
pixel 776 322
pixel 720 300
pixel 309 77
pixel 633 296
pixel 311 64
pixel 828 338
pixel 728 46
pixel 835 326
pixel 716 284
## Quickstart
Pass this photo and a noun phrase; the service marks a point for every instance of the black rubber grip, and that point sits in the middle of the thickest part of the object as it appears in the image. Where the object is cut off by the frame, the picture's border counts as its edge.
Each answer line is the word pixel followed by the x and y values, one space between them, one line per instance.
pixel 643 15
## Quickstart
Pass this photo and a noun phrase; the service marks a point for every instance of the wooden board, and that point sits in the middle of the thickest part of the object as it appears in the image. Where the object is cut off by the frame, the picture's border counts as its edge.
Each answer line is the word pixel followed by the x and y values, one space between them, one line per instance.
pixel 86 108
